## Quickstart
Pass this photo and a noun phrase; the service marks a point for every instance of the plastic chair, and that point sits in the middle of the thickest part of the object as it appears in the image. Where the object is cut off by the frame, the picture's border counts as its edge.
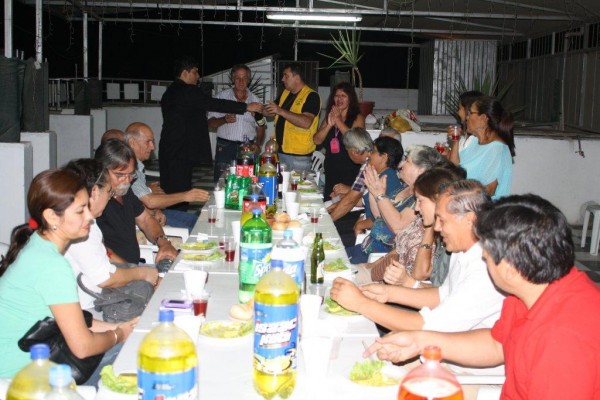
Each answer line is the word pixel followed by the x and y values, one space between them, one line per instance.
pixel 591 209
pixel 317 161
pixel 148 251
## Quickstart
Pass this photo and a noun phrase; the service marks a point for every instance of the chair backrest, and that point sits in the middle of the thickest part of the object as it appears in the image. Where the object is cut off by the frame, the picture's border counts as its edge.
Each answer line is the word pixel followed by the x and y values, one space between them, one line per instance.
pixel 317 161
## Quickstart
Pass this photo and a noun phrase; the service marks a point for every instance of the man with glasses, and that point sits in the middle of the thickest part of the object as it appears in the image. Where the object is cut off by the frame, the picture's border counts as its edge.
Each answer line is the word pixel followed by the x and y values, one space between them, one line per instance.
pixel 467 299
pixel 231 129
pixel 140 138
pixel 124 211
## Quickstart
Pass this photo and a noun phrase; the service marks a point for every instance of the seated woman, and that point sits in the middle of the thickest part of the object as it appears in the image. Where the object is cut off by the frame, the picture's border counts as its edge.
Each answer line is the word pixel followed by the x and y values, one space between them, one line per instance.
pixel 88 256
pixel 421 255
pixel 343 113
pixel 489 160
pixel 464 105
pixel 386 155
pixel 37 282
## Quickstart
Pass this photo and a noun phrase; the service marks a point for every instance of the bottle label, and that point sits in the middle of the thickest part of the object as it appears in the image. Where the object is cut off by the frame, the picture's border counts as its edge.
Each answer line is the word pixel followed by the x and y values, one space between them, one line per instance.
pixel 295 269
pixel 168 386
pixel 255 261
pixel 244 170
pixel 275 338
pixel 269 188
pixel 320 269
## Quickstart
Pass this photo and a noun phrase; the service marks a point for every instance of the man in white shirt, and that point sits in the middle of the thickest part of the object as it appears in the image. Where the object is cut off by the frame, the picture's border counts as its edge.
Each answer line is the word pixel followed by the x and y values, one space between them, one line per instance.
pixel 466 300
pixel 232 128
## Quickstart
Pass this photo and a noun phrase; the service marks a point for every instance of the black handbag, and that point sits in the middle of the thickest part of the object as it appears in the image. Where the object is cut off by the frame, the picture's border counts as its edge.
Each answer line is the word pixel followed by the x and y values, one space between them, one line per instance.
pixel 123 303
pixel 47 331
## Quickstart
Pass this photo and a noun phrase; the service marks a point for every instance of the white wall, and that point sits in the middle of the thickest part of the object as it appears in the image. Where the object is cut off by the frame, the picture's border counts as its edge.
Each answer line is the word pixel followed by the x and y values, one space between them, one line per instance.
pixel 16 172
pixel 44 149
pixel 73 137
pixel 121 117
pixel 98 125
pixel 391 99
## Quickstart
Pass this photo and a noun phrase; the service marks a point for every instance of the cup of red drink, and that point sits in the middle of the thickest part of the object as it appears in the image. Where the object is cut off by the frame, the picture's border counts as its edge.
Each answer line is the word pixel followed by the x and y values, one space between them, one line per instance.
pixel 294 184
pixel 212 215
pixel 229 249
pixel 314 215
pixel 454 131
pixel 200 303
pixel 440 148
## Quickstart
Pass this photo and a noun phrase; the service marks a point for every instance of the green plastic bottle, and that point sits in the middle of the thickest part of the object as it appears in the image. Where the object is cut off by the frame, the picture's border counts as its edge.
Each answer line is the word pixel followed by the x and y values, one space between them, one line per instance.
pixel 31 382
pixel 275 334
pixel 255 254
pixel 167 362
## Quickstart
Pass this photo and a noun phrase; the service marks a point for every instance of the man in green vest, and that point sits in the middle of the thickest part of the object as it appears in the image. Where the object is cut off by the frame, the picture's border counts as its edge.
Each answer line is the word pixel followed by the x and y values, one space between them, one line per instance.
pixel 296 114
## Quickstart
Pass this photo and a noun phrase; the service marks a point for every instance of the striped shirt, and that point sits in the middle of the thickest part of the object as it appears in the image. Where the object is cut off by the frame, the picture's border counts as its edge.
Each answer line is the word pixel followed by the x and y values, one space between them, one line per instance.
pixel 244 124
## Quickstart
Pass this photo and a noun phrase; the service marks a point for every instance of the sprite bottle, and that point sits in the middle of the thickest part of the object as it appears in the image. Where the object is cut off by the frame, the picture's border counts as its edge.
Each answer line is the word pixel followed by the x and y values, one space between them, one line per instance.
pixel 275 334
pixel 255 254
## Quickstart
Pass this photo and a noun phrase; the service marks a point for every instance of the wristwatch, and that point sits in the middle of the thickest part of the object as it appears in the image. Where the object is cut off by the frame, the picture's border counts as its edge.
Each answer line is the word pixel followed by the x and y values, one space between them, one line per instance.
pixel 163 236
pixel 380 197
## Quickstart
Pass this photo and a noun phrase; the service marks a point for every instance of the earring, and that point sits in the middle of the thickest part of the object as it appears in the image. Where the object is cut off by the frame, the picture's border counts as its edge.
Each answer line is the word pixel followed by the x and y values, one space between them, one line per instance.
pixel 53 227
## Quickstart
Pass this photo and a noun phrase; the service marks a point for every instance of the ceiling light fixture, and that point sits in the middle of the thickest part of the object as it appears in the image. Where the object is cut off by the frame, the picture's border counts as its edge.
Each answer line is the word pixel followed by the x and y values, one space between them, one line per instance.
pixel 314 17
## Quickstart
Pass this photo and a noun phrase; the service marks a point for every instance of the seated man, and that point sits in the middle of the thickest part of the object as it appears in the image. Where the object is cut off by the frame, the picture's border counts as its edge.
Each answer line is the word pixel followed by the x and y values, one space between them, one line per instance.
pixel 548 331
pixel 124 210
pixel 359 145
pixel 140 138
pixel 466 300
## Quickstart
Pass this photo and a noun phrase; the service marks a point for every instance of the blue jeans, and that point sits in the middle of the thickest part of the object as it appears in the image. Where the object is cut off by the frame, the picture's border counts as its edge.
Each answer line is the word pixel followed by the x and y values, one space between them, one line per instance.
pixel 225 153
pixel 356 254
pixel 296 163
pixel 180 219
pixel 108 359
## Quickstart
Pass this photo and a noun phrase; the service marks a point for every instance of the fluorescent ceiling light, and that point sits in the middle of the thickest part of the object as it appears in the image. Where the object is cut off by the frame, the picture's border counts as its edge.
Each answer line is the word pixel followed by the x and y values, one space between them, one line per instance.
pixel 314 17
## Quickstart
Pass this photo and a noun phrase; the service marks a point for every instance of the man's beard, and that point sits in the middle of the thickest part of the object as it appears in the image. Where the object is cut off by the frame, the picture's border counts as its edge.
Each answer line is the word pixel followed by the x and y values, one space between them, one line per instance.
pixel 121 190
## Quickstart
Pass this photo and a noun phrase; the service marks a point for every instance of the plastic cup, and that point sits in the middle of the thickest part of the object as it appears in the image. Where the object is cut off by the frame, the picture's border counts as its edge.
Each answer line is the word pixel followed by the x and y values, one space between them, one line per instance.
pixel 317 353
pixel 314 215
pixel 455 131
pixel 194 282
pixel 294 184
pixel 236 230
pixel 297 234
pixel 212 215
pixel 286 180
pixel 220 198
pixel 200 303
pixel 289 197
pixel 189 324
pixel 229 249
pixel 292 209
pixel 310 305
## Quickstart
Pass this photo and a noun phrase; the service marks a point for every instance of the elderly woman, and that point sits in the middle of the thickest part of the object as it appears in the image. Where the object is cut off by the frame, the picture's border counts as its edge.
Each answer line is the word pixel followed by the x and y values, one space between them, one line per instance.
pixel 489 160
pixel 88 256
pixel 37 281
pixel 384 160
pixel 343 114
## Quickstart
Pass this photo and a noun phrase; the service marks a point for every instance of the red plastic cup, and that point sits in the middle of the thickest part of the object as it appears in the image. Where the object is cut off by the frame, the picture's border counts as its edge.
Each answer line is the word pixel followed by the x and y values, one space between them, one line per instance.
pixel 229 249
pixel 200 306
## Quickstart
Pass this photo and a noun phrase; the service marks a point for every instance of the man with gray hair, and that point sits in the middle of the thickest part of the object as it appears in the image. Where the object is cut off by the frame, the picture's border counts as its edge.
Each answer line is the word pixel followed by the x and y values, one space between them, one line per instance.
pixel 467 299
pixel 359 146
pixel 391 132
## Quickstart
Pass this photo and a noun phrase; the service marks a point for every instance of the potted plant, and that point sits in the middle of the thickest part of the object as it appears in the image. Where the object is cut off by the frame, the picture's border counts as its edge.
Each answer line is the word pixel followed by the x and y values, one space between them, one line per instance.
pixel 348 46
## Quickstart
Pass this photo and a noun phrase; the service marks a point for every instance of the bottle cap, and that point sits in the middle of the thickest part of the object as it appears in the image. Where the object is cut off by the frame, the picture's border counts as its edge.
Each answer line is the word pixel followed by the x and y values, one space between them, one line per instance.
pixel 287 234
pixel 39 351
pixel 256 211
pixel 166 316
pixel 60 375
pixel 432 353
pixel 254 197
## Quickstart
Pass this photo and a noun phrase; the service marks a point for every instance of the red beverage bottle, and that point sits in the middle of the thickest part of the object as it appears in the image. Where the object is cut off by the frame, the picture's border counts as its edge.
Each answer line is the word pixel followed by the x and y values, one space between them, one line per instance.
pixel 430 381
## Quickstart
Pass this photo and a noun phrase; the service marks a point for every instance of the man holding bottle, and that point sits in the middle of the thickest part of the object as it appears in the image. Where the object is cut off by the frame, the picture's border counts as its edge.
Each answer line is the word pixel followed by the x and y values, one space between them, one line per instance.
pixel 231 128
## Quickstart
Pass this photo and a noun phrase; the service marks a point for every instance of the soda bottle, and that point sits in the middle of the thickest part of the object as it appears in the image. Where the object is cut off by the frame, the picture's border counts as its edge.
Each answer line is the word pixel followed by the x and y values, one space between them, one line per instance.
pixel 430 381
pixel 317 260
pixel 275 334
pixel 255 254
pixel 288 254
pixel 167 362
pixel 250 203
pixel 267 176
pixel 232 192
pixel 245 188
pixel 31 382
pixel 60 382
pixel 272 146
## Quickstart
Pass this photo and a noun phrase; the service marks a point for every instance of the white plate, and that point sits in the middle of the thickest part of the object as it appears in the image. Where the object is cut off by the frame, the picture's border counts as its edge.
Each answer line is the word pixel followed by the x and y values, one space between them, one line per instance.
pixel 348 318
pixel 235 341
pixel 349 273
pixel 396 371
pixel 205 252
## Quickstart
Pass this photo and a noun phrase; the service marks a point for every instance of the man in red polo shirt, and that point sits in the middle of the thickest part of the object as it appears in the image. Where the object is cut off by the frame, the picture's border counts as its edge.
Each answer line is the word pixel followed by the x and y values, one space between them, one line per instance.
pixel 548 334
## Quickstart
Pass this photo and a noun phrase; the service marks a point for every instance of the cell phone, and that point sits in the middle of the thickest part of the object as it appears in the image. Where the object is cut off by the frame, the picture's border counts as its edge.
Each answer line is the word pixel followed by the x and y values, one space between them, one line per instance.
pixel 176 303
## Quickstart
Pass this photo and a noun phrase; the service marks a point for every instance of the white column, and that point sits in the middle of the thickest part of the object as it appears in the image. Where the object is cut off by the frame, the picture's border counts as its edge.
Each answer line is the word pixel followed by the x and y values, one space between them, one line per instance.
pixel 85 45
pixel 99 50
pixel 38 30
pixel 8 16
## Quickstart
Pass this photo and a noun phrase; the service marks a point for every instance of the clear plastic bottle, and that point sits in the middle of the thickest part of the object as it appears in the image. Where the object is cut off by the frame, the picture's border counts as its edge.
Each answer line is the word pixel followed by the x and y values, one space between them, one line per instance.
pixel 275 334
pixel 31 382
pixel 255 254
pixel 288 254
pixel 317 260
pixel 60 382
pixel 430 381
pixel 272 146
pixel 267 176
pixel 167 362
pixel 252 202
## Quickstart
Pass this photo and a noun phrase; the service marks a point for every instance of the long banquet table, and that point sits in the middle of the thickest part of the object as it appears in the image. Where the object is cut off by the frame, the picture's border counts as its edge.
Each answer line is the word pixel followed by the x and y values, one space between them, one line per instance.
pixel 225 370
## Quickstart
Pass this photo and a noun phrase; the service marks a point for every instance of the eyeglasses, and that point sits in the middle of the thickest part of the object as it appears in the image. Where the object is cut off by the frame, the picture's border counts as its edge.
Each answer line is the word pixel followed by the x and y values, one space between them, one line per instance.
pixel 121 176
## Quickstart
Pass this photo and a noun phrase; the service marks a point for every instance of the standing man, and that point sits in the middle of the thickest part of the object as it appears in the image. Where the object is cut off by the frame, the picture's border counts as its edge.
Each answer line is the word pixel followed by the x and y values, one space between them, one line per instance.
pixel 296 119
pixel 140 138
pixel 184 139
pixel 231 129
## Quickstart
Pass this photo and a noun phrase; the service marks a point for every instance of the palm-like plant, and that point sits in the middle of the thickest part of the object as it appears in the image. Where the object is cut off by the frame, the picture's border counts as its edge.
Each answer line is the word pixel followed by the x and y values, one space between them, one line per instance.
pixel 347 45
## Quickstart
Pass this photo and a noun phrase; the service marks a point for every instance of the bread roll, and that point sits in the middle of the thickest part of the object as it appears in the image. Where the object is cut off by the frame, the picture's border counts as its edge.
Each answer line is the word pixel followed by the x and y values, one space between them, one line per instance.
pixel 279 226
pixel 294 224
pixel 282 217
pixel 242 312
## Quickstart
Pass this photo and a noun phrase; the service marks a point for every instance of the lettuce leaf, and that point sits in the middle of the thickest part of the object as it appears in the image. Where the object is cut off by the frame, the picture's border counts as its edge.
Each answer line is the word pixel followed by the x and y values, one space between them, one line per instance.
pixel 126 384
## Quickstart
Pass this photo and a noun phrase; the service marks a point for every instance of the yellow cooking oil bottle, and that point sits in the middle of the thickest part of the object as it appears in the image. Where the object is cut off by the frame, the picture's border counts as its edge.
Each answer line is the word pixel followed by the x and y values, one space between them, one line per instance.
pixel 31 382
pixel 167 363
pixel 275 334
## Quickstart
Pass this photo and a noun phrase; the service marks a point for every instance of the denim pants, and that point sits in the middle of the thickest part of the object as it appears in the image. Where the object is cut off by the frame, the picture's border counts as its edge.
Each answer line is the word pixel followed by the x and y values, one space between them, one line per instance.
pixel 180 219
pixel 108 359
pixel 296 163
pixel 225 153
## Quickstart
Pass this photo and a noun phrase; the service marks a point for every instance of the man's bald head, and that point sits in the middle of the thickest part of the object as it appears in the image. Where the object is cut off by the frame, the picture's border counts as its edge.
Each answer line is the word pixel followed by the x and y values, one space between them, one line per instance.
pixel 113 134
pixel 141 139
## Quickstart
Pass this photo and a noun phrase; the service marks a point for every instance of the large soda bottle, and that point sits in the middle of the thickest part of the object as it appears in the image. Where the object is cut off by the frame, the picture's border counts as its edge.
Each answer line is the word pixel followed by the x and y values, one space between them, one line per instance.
pixel 275 334
pixel 272 146
pixel 288 254
pixel 267 176
pixel 255 254
pixel 232 192
pixel 245 159
pixel 430 381
pixel 317 260
pixel 60 381
pixel 31 382
pixel 250 203
pixel 167 362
